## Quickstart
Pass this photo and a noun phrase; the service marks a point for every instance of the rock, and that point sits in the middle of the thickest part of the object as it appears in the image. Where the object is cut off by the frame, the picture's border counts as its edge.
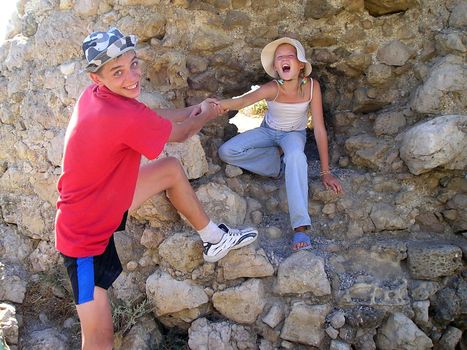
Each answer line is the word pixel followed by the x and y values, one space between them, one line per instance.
pixel 339 345
pixel 246 262
pixel 389 123
pixel 274 316
pixel 242 304
pixel 458 18
pixel 204 334
pixel 302 272
pixel 127 286
pixel 8 324
pixel 169 295
pixel 438 93
pixel 222 204
pixel 182 251
pixel 385 7
pixel 13 287
pixel 337 319
pixel 191 155
pixel 446 305
pixel 151 239
pixel 367 151
pixel 317 9
pixel 44 257
pixel 394 53
pixel 46 339
pixel 429 261
pixel 157 210
pixel 420 309
pixel 399 332
pixel 379 74
pixel 144 335
pixel 423 290
pixel 450 338
pixel 232 171
pixel 13 246
pixel 304 324
pixel 385 217
pixel 445 149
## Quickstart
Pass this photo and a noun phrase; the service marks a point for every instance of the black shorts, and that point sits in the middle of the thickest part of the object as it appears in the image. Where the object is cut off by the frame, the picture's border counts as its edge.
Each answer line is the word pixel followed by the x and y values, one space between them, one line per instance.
pixel 100 270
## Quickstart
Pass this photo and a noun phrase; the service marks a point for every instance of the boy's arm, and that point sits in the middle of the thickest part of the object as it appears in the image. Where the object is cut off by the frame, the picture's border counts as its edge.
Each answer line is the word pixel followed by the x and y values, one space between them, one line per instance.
pixel 266 91
pixel 176 114
pixel 190 126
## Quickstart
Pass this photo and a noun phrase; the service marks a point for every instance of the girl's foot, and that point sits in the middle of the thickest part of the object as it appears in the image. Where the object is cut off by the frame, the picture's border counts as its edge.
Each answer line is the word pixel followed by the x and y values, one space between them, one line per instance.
pixel 300 241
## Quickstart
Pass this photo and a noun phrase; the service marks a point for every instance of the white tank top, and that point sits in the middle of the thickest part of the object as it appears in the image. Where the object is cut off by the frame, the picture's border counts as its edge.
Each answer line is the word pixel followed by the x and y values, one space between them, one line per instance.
pixel 288 116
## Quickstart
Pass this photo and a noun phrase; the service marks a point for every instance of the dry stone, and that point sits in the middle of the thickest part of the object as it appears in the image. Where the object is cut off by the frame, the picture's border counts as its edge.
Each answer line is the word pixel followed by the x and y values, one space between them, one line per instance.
pixel 380 8
pixel 389 123
pixel 394 53
pixel 246 262
pixel 438 93
pixel 450 338
pixel 8 324
pixel 430 261
pixel 157 210
pixel 143 335
pixel 386 217
pixel 399 332
pixel 46 339
pixel 447 142
pixel 44 257
pixel 169 295
pixel 242 304
pixel 182 251
pixel 302 272
pixel 13 287
pixel 274 316
pixel 304 324
pixel 206 335
pixel 13 246
pixel 222 204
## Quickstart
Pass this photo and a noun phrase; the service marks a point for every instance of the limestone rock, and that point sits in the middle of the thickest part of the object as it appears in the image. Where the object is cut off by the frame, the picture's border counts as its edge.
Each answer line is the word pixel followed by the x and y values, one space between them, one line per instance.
pixel 439 92
pixel 182 251
pixel 13 287
pixel 13 246
pixel 429 261
pixel 368 151
pixel 242 304
pixel 385 217
pixel 222 204
pixel 46 339
pixel 8 323
pixel 304 324
pixel 144 335
pixel 389 123
pixel 399 332
pixel 458 18
pixel 394 53
pixel 378 74
pixel 447 142
pixel 169 295
pixel 379 8
pixel 157 210
pixel 246 262
pixel 274 316
pixel 339 345
pixel 302 272
pixel 44 257
pixel 205 335
pixel 423 290
pixel 191 156
pixel 450 338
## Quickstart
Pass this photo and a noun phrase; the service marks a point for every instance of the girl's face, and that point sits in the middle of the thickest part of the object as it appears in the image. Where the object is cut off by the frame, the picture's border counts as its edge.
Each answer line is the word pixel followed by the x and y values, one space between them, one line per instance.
pixel 286 62
pixel 121 75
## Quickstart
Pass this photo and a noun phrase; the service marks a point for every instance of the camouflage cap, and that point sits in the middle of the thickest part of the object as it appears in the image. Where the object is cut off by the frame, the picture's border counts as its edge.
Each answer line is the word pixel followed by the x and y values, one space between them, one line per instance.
pixel 101 47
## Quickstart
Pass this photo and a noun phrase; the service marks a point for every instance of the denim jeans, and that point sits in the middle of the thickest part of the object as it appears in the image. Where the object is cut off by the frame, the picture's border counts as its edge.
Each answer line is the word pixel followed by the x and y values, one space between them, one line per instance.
pixel 257 150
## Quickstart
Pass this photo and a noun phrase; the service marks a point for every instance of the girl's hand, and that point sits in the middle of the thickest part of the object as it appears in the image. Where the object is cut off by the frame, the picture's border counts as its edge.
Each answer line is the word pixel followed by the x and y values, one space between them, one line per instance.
pixel 330 182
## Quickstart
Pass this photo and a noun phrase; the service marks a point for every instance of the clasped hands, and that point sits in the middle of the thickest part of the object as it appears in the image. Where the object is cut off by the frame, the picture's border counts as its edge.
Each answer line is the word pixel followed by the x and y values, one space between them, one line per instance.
pixel 210 106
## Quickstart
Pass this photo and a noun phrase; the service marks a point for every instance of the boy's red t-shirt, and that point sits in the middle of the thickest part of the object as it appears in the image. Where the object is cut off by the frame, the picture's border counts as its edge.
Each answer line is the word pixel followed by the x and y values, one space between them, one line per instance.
pixel 104 141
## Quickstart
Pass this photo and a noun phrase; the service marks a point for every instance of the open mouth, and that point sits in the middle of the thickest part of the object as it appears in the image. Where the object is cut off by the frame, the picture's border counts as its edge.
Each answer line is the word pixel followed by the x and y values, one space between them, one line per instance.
pixel 285 68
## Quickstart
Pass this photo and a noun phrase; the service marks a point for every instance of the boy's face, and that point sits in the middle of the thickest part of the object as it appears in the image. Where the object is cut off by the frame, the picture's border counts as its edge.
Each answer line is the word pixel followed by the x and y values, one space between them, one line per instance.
pixel 121 75
pixel 286 62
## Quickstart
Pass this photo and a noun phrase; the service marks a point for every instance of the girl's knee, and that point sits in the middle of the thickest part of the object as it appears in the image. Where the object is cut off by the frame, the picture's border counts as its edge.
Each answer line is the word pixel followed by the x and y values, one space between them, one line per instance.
pixel 297 157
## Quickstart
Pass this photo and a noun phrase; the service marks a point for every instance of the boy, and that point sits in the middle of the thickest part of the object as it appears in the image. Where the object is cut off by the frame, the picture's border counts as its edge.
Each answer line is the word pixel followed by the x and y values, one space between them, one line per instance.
pixel 102 180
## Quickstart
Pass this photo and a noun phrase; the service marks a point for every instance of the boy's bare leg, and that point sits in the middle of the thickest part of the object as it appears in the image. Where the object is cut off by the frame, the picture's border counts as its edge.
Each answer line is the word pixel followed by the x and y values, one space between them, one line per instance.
pixel 96 322
pixel 167 174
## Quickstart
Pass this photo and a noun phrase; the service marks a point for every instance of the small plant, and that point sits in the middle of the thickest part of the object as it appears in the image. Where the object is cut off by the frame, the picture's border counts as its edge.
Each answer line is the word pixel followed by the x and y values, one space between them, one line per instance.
pixel 125 315
pixel 259 108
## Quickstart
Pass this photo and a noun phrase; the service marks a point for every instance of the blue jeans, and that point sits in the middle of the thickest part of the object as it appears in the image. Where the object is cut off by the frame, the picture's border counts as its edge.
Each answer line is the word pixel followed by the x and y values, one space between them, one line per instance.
pixel 257 150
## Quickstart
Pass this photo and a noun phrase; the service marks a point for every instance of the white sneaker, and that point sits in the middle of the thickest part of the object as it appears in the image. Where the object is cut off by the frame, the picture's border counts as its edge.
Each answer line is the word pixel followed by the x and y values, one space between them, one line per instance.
pixel 232 239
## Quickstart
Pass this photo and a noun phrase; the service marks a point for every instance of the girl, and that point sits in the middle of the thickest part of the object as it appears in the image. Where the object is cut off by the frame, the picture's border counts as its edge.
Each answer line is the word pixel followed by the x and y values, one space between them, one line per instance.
pixel 283 131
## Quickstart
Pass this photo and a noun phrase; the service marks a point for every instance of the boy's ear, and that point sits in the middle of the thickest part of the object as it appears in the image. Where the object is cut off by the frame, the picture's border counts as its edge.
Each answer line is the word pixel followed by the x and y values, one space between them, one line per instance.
pixel 95 78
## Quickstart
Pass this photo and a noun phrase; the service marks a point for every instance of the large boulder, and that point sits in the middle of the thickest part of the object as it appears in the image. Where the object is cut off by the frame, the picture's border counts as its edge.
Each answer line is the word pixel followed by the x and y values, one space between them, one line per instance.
pixel 440 142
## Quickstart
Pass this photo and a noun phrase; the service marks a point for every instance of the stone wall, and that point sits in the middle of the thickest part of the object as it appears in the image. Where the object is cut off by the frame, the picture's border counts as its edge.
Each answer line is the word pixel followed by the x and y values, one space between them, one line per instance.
pixel 388 266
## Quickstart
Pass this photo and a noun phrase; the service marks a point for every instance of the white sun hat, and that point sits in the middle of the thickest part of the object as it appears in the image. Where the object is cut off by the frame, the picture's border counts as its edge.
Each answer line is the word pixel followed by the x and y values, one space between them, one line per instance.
pixel 267 55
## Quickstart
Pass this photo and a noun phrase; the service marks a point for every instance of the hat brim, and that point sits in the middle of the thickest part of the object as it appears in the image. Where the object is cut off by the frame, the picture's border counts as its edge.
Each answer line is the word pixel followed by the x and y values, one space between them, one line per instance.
pixel 116 49
pixel 267 56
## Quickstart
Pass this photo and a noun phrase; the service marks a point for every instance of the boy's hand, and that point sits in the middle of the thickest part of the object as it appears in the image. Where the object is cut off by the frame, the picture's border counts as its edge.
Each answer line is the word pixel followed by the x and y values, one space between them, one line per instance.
pixel 218 106
pixel 330 182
